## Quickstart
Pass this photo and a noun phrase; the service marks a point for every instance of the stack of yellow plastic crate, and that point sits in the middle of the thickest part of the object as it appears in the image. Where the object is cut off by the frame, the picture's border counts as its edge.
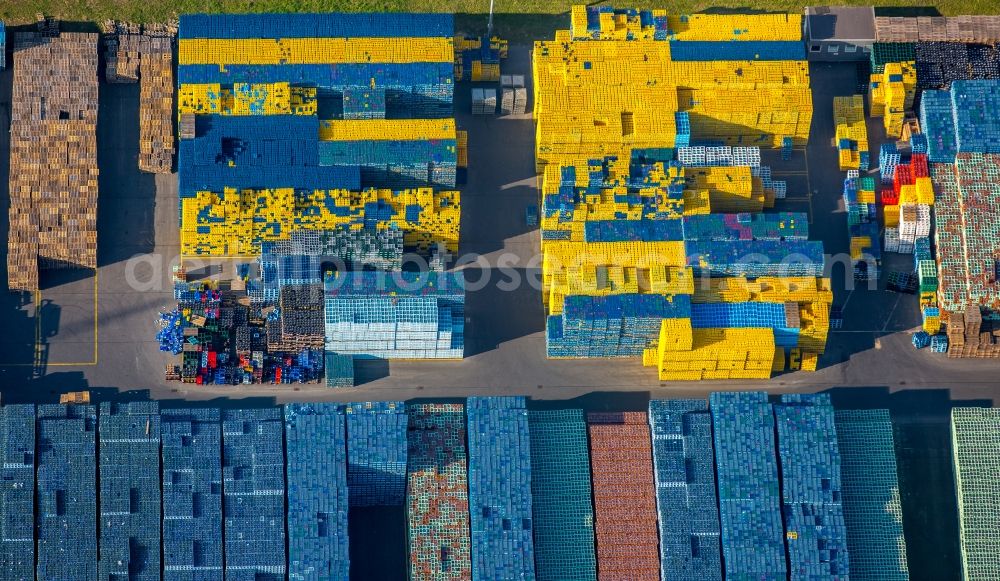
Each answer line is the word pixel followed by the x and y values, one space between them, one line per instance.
pixel 851 132
pixel 599 95
pixel 891 95
pixel 237 222
pixel 683 353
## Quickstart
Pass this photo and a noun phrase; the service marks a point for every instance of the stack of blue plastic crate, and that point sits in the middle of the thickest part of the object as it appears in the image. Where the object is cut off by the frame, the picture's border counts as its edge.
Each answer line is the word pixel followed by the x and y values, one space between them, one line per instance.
pixel 254 493
pixel 3 46
pixel 339 370
pixel 192 494
pixel 755 258
pixel 395 164
pixel 815 532
pixel 66 521
pixel 747 226
pixel 974 108
pixel 316 468
pixel 376 453
pixel 17 493
pixel 749 495
pixel 746 315
pixel 611 326
pixel 686 499
pixel 562 509
pixel 500 488
pixel 130 491
pixel 682 121
pixel 872 507
pixel 938 124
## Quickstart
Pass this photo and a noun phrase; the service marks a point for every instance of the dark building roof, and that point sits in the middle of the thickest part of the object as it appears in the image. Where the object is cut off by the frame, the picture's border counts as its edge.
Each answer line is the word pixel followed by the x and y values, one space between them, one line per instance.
pixel 840 23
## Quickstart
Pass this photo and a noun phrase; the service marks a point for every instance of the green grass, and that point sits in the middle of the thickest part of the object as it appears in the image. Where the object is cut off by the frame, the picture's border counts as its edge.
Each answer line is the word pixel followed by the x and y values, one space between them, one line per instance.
pixel 511 22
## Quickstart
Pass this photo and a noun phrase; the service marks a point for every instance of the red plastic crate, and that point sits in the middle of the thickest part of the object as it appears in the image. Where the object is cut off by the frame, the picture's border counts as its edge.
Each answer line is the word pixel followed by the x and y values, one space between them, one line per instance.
pixel 918 165
pixel 625 517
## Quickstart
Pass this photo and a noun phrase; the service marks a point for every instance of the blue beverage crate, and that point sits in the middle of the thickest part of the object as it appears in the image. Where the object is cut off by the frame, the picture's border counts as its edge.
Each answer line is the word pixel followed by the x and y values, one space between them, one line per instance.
pixel 686 498
pixel 376 453
pixel 66 522
pixel 939 344
pixel 562 509
pixel 938 123
pixel 755 258
pixel 733 227
pixel 921 339
pixel 316 472
pixel 974 106
pixel 254 493
pixel 17 495
pixel 500 489
pixel 338 25
pixel 749 496
pixel 130 491
pixel 815 532
pixel 192 494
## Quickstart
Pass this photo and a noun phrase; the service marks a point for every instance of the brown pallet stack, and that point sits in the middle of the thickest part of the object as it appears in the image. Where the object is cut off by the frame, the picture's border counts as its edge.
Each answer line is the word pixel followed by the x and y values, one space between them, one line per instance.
pixel 53 156
pixel 625 516
pixel 156 93
pixel 981 29
pixel 969 337
pixel 121 55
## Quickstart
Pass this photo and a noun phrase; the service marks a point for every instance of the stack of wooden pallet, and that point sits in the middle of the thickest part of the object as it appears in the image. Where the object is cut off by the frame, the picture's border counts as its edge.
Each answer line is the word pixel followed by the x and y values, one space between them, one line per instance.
pixel 156 91
pixel 53 157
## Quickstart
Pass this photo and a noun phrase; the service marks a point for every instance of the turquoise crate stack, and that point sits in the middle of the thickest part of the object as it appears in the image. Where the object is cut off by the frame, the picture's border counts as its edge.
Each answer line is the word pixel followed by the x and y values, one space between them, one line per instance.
pixel 192 477
pixel 316 477
pixel 888 159
pixel 130 501
pixel 376 453
pixel 17 495
pixel 748 315
pixel 872 505
pixel 938 123
pixel 339 370
pixel 254 493
pixel 815 532
pixel 611 326
pixel 686 497
pixel 749 494
pixel 66 521
pixel 562 509
pixel 737 50
pixel 400 315
pixel 500 499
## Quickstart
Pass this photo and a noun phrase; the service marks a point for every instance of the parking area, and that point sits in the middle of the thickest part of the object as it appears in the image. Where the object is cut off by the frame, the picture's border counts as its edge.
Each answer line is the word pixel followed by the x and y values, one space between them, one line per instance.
pixel 69 338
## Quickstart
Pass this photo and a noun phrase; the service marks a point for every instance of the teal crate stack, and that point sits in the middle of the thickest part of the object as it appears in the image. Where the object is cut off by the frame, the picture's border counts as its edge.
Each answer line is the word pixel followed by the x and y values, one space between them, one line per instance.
pixel 192 494
pixel 749 495
pixel 17 492
pixel 686 497
pixel 66 521
pixel 747 226
pixel 815 533
pixel 891 52
pixel 500 489
pixel 872 505
pixel 254 494
pixel 316 472
pixel 376 453
pixel 129 452
pixel 562 509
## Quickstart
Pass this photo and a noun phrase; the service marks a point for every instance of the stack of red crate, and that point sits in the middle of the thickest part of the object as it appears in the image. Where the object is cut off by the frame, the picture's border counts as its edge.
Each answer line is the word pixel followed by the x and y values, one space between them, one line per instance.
pixel 624 497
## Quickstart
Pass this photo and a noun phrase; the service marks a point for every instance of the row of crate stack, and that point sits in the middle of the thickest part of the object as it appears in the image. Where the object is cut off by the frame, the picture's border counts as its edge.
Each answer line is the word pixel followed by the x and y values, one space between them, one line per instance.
pixel 640 155
pixel 53 156
pixel 144 54
pixel 851 133
pixel 478 59
pixel 735 487
pixel 316 145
